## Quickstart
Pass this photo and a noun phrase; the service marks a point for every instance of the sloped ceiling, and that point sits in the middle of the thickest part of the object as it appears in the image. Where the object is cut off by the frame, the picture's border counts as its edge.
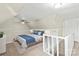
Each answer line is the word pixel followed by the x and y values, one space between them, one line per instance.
pixel 5 13
pixel 42 10
pixel 38 11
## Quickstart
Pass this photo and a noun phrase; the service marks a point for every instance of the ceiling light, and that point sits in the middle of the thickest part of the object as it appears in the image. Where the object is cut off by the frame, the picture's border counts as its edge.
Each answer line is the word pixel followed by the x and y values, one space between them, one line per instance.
pixel 22 22
pixel 58 5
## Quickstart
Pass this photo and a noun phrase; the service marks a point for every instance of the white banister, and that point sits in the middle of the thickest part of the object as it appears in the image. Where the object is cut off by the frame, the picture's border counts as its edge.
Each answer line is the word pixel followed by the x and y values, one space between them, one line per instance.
pixel 68 44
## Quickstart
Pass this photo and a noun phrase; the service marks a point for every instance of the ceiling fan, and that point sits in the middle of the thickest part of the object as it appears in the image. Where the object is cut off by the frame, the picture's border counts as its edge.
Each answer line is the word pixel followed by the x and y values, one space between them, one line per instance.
pixel 22 19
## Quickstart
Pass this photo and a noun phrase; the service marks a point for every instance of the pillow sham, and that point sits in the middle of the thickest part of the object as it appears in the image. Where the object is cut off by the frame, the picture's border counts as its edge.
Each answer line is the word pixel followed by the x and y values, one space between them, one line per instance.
pixel 38 33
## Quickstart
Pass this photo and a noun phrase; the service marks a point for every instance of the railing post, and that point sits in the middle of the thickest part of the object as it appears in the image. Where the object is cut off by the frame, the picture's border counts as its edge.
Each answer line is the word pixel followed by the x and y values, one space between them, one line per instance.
pixel 57 41
pixel 53 46
pixel 66 45
pixel 44 43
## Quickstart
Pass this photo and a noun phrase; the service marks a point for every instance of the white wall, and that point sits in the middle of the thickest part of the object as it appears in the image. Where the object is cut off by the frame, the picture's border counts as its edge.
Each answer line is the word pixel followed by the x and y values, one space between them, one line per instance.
pixel 64 26
pixel 12 28
pixel 72 26
pixel 53 22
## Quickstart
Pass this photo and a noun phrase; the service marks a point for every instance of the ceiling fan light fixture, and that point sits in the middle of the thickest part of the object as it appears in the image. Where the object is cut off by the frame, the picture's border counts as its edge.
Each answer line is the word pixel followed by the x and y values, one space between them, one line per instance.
pixel 22 22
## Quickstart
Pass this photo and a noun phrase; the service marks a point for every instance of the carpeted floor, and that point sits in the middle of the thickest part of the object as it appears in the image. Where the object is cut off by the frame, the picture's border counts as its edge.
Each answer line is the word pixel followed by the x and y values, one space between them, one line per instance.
pixel 13 49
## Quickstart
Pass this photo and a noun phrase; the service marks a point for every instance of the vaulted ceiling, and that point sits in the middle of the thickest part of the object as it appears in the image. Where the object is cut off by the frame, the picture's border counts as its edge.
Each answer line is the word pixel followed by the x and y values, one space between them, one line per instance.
pixel 38 10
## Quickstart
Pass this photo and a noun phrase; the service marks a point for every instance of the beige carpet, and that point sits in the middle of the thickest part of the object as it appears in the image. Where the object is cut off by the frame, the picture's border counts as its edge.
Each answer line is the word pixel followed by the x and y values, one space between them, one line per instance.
pixel 14 49
pixel 36 50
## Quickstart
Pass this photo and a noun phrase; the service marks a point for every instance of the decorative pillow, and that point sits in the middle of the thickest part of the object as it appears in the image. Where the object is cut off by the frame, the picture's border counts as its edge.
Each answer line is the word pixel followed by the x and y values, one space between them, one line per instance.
pixel 38 32
pixel 35 32
pixel 41 32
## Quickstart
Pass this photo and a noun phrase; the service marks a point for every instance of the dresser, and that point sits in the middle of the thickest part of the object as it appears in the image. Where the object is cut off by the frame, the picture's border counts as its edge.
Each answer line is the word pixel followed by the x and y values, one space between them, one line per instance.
pixel 3 44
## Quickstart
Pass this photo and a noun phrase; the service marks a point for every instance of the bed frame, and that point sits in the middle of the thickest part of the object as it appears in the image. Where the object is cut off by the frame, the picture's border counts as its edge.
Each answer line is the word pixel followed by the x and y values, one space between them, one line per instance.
pixel 49 44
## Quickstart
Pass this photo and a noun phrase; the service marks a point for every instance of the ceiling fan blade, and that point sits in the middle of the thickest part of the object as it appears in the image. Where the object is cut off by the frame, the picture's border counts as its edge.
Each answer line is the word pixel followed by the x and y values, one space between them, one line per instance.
pixel 11 10
pixel 16 15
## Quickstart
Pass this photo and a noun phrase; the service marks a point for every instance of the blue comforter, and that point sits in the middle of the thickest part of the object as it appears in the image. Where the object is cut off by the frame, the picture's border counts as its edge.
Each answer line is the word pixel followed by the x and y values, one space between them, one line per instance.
pixel 29 39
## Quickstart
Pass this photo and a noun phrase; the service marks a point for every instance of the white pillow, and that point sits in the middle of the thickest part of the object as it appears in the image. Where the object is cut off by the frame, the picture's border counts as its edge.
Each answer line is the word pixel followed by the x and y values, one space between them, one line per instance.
pixel 31 31
pixel 39 33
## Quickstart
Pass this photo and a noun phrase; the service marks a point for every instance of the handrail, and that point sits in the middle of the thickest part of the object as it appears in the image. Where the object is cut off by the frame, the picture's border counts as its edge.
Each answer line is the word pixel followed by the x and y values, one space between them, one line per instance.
pixel 58 36
pixel 53 36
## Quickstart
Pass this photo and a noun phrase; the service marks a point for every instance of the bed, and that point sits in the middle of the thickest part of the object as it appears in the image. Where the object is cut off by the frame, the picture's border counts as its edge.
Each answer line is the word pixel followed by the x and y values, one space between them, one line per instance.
pixel 26 40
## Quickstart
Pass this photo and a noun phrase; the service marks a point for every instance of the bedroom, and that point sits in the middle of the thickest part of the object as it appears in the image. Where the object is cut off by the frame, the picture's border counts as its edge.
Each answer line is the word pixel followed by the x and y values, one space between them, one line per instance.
pixel 20 19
